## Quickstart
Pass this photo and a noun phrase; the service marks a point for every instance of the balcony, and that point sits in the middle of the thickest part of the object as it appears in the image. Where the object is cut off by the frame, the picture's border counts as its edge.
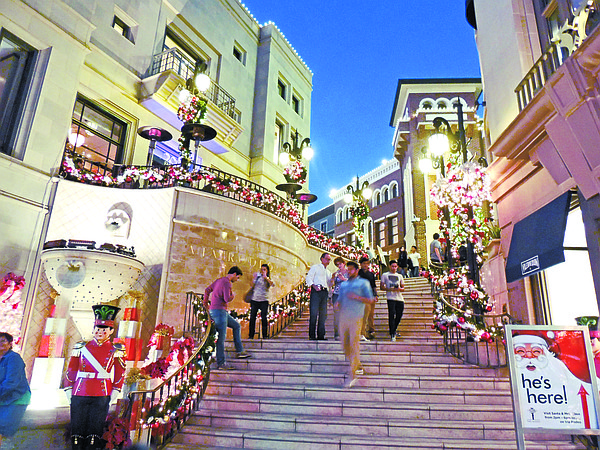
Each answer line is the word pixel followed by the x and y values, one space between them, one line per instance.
pixel 568 39
pixel 159 93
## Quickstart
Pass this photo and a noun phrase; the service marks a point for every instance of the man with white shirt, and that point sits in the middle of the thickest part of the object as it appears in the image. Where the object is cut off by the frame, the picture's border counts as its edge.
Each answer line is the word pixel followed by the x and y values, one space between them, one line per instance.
pixel 318 280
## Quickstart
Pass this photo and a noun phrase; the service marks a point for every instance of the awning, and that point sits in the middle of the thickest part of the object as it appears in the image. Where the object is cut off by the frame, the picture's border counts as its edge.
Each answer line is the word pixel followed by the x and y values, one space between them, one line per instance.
pixel 537 240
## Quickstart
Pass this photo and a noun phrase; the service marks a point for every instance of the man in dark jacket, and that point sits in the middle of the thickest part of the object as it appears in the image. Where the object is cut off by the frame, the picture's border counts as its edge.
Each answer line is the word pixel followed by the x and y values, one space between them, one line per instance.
pixel 368 328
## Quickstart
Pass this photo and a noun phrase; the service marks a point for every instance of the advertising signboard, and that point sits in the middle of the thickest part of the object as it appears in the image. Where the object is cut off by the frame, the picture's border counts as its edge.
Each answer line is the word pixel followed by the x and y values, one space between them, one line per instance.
pixel 553 379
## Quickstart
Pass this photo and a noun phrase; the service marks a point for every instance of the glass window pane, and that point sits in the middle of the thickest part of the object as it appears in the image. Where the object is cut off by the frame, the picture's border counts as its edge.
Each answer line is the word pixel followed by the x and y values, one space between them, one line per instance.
pixel 78 110
pixel 116 132
pixel 97 122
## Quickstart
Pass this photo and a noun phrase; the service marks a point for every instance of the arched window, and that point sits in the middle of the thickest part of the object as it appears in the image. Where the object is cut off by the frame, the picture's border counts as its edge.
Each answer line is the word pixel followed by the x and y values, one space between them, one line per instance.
pixel 385 195
pixel 427 105
pixel 340 215
pixel 347 213
pixel 394 191
pixel 378 198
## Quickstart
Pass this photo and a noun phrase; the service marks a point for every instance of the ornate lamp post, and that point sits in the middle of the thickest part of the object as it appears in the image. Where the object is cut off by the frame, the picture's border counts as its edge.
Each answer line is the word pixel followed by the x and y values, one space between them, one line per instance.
pixel 295 172
pixel 295 151
pixel 356 197
pixel 192 110
pixel 442 141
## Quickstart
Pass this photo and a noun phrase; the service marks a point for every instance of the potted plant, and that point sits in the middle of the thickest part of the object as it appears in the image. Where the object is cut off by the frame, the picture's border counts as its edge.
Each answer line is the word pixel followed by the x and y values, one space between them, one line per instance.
pixel 493 247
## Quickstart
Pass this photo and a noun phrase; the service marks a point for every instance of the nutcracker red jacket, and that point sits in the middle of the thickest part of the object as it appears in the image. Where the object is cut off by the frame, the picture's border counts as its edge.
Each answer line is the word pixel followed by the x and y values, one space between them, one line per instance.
pixel 83 377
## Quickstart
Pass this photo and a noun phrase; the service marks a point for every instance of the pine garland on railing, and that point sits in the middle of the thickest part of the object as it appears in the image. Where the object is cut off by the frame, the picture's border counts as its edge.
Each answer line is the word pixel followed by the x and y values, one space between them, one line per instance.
pixel 72 168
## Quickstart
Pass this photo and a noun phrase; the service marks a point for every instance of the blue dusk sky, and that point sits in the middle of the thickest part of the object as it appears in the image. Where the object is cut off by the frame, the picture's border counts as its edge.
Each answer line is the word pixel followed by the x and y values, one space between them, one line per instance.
pixel 357 51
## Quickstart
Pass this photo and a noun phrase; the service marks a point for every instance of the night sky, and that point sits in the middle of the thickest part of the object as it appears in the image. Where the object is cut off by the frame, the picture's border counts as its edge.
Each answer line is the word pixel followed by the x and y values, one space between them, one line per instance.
pixel 357 51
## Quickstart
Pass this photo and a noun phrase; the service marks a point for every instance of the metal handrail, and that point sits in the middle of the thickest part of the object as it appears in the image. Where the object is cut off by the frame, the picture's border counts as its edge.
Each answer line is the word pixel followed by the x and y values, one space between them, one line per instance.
pixel 280 306
pixel 460 344
pixel 246 192
pixel 538 75
pixel 173 59
pixel 140 402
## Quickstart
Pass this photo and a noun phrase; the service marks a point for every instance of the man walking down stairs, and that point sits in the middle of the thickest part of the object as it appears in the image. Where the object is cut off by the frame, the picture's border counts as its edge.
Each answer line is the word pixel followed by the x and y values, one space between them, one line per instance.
pixel 291 395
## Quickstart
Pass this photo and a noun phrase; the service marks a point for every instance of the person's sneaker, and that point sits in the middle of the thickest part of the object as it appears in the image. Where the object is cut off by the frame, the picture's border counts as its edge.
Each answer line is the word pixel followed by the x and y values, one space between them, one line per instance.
pixel 350 383
pixel 394 338
pixel 225 367
pixel 359 371
pixel 362 338
pixel 243 355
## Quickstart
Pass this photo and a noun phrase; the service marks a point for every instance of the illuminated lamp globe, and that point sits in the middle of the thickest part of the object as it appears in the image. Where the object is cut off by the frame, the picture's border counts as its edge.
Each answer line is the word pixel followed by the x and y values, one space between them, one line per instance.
pixel 332 193
pixel 284 158
pixel 202 82
pixel 76 139
pixel 308 153
pixel 366 193
pixel 184 95
pixel 438 144
pixel 426 165
pixel 348 197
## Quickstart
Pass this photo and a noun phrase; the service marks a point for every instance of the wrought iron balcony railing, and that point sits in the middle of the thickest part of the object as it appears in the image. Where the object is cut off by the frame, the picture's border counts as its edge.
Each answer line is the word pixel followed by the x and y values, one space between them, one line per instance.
pixel 567 40
pixel 179 63
pixel 537 76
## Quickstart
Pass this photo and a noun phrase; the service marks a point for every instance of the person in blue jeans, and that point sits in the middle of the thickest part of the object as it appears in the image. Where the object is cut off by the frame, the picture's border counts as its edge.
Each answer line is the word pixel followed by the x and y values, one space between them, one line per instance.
pixel 14 389
pixel 218 295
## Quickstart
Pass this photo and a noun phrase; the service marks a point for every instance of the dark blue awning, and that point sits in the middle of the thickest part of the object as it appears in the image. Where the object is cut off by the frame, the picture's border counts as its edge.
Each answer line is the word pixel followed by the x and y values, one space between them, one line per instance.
pixel 537 240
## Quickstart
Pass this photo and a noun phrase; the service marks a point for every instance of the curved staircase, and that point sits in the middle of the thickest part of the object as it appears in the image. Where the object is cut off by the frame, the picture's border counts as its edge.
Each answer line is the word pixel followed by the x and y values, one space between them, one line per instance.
pixel 290 395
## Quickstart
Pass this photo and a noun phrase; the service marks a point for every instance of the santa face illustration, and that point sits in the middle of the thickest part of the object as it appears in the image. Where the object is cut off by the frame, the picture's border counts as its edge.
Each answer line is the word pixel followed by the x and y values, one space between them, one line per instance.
pixel 531 356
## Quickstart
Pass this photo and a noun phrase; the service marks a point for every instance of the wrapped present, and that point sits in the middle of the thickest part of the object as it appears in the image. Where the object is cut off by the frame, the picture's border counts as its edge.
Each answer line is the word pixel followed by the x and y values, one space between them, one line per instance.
pixel 133 348
pixel 131 314
pixel 128 329
pixel 51 346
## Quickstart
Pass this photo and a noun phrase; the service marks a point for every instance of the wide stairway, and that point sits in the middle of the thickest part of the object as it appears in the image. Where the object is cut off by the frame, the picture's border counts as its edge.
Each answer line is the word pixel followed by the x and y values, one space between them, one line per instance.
pixel 291 394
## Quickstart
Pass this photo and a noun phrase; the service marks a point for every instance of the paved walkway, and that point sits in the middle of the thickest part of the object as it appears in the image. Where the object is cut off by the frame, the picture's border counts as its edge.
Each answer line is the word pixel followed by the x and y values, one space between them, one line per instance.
pixel 41 430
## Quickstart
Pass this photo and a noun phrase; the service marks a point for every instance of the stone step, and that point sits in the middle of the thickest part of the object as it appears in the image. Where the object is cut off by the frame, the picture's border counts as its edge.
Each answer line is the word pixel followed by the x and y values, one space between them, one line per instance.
pixel 348 408
pixel 414 428
pixel 366 393
pixel 403 344
pixel 371 368
pixel 376 381
pixel 399 357
pixel 200 437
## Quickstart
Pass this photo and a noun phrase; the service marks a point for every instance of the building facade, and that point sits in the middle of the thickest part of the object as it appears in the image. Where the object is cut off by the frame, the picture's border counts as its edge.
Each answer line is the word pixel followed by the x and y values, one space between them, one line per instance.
pixel 323 220
pixel 82 76
pixel 384 227
pixel 417 103
pixel 539 64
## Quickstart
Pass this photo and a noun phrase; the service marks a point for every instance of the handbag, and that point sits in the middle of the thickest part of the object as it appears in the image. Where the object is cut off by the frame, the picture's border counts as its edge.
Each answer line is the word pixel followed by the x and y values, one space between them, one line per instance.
pixel 249 295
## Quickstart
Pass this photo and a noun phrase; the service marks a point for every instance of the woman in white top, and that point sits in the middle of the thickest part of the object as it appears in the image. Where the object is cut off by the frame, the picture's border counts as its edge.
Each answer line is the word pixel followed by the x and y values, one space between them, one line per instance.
pixel 261 282
pixel 414 257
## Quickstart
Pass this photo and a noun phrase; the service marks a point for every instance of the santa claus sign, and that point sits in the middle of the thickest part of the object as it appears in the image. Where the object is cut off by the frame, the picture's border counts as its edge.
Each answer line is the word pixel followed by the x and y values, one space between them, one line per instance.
pixel 551 377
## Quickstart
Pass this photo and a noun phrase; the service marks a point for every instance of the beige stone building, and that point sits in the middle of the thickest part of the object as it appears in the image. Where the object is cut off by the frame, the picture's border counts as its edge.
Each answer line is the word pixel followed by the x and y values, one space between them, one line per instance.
pixel 88 74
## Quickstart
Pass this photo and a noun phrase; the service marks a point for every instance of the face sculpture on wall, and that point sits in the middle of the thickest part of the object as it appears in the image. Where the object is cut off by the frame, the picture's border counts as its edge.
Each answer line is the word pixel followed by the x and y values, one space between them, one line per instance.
pixel 118 220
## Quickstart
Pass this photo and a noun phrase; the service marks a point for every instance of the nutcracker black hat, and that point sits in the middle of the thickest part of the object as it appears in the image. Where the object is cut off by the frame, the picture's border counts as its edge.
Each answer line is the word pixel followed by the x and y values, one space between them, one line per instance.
pixel 105 315
pixel 592 322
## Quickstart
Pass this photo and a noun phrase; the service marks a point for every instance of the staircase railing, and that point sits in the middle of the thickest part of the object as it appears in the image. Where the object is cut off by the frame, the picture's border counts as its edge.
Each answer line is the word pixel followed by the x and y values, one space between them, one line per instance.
pixel 156 414
pixel 460 343
pixel 286 310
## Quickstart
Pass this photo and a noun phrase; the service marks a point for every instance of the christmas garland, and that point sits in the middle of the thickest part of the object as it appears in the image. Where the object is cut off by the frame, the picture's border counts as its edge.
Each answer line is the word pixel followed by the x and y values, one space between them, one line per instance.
pixel 295 171
pixel 359 210
pixel 176 174
pixel 11 308
pixel 296 298
pixel 463 194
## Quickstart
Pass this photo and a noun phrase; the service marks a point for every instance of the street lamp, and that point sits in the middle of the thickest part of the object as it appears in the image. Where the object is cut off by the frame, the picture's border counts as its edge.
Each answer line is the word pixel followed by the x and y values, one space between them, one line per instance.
pixel 442 141
pixel 197 85
pixel 358 194
pixel 295 151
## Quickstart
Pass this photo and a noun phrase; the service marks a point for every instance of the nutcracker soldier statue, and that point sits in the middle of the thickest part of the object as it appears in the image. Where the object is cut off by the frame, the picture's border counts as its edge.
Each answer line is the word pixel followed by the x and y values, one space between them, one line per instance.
pixel 89 384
